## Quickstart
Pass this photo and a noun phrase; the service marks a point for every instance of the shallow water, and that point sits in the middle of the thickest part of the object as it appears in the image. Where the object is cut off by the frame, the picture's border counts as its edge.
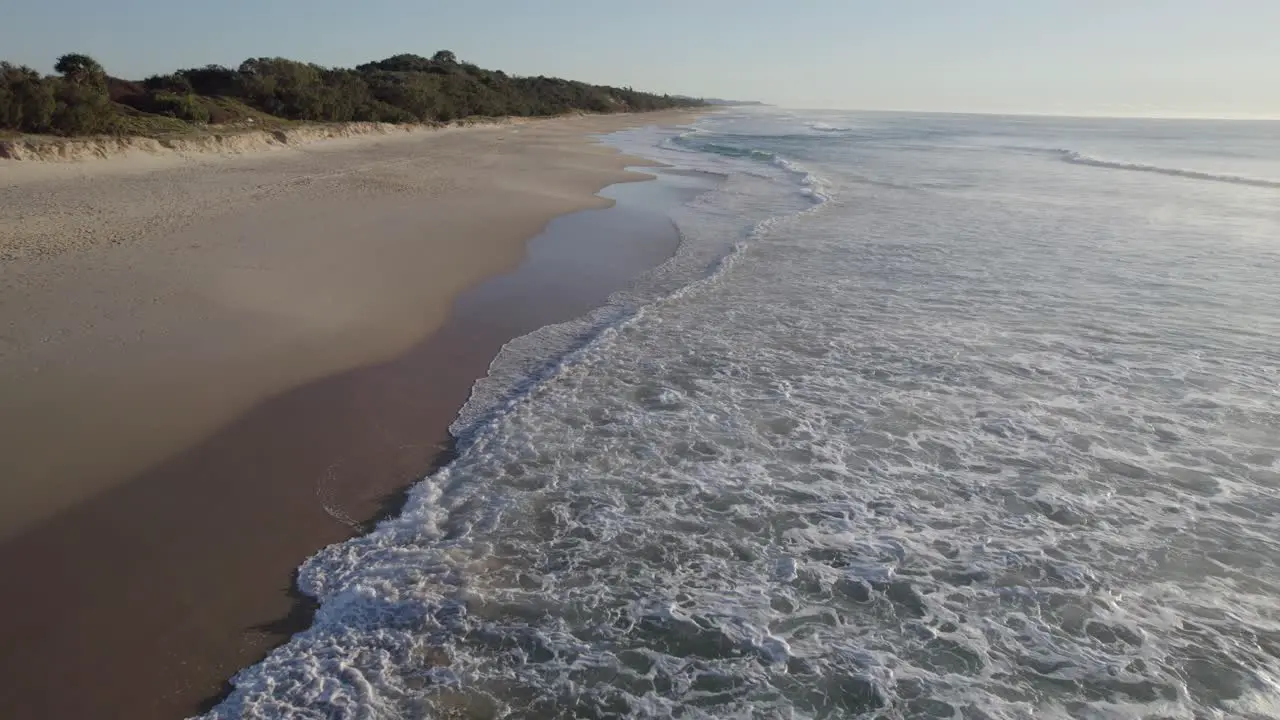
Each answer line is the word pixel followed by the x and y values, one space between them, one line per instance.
pixel 931 417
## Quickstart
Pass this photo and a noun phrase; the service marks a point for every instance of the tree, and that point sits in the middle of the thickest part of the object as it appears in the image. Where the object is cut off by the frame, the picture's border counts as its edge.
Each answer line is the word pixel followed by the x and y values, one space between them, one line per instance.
pixel 213 80
pixel 26 100
pixel 175 83
pixel 401 88
pixel 80 69
pixel 82 109
pixel 285 87
pixel 83 106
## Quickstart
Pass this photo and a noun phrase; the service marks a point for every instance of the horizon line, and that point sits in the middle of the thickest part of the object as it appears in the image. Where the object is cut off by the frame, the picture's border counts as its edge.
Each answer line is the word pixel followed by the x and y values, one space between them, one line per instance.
pixel 1043 114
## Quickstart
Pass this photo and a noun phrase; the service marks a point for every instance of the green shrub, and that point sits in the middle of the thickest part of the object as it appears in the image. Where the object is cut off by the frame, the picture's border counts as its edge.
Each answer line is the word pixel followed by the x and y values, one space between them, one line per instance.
pixel 82 109
pixel 182 107
pixel 130 121
pixel 378 111
pixel 174 83
pixel 27 100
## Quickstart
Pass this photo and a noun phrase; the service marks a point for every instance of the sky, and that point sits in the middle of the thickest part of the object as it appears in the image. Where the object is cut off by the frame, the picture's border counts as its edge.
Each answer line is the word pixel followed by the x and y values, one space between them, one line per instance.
pixel 1203 58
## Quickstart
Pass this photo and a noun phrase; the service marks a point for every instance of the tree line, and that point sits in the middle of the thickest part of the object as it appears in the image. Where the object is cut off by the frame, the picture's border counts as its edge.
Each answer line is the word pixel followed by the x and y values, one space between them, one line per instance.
pixel 82 99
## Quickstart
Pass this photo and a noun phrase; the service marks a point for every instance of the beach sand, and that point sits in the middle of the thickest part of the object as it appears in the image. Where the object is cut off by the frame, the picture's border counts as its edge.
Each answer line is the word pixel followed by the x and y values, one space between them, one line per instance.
pixel 213 366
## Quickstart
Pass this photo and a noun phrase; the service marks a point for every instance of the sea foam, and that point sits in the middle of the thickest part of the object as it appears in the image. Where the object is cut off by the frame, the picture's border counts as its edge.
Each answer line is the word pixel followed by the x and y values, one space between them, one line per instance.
pixel 999 447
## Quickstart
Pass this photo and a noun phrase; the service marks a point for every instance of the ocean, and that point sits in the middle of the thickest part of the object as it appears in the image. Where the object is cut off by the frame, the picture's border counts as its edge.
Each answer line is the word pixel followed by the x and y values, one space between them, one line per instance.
pixel 931 416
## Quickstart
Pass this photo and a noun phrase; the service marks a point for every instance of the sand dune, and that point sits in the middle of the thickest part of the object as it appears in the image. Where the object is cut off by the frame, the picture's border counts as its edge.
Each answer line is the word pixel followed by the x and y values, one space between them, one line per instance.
pixel 242 140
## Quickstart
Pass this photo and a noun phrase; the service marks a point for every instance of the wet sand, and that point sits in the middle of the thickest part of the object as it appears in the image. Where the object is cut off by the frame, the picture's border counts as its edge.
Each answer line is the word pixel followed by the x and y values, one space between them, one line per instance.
pixel 140 600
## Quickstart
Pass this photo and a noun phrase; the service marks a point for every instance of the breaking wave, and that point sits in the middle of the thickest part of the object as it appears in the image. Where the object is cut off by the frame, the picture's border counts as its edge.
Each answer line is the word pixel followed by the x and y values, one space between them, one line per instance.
pixel 826 127
pixel 703 256
pixel 1077 158
pixel 813 186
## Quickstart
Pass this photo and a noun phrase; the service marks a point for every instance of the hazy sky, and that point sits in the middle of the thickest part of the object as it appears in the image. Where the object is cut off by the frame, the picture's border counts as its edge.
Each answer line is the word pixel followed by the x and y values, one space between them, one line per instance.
pixel 1126 57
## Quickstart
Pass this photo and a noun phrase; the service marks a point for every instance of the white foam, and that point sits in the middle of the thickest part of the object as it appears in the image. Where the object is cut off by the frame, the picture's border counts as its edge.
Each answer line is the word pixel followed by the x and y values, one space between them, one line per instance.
pixel 706 250
pixel 1078 158
pixel 816 187
pixel 827 127
pixel 942 454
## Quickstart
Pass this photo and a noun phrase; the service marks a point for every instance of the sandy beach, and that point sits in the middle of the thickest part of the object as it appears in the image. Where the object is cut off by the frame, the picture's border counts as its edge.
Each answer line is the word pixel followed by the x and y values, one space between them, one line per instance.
pixel 214 365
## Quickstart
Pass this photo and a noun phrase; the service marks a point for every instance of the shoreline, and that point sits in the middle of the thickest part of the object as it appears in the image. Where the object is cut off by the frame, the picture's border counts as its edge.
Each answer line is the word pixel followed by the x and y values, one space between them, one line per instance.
pixel 139 579
pixel 550 255
pixel 293 265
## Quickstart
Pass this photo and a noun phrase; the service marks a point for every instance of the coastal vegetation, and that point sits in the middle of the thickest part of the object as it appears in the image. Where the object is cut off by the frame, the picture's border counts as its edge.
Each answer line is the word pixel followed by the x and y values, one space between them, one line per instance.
pixel 82 99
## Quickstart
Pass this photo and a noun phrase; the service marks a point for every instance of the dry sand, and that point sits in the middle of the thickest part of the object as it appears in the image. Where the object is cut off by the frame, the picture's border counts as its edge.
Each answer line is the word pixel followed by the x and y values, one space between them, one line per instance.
pixel 147 300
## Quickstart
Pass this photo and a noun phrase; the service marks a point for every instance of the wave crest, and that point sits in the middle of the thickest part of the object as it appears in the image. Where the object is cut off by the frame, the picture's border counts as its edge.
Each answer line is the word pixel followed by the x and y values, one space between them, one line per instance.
pixel 825 127
pixel 1078 158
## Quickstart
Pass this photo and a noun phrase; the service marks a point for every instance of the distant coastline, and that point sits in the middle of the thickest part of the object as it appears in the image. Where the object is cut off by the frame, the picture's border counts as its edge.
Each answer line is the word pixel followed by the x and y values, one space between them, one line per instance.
pixel 275 94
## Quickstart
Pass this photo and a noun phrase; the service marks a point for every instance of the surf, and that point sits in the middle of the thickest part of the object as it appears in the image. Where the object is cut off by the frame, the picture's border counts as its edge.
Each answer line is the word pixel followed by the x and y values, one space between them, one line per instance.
pixel 1078 158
